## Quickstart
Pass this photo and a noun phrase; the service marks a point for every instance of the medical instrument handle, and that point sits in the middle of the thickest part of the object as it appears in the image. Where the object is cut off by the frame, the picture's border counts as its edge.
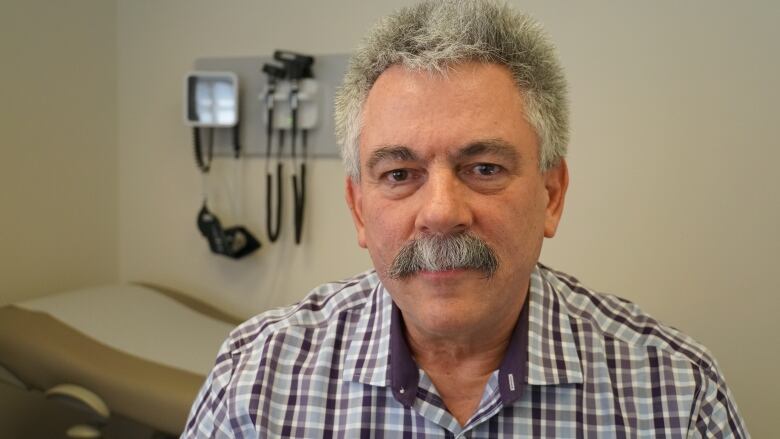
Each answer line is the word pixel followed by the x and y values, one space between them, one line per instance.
pixel 274 71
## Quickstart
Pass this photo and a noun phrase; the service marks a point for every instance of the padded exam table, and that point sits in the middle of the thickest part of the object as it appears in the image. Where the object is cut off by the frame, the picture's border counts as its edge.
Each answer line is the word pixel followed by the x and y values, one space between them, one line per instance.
pixel 142 350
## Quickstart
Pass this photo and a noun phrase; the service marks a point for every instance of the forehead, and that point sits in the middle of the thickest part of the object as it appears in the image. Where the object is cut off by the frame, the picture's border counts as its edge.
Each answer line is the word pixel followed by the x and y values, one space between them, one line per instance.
pixel 431 112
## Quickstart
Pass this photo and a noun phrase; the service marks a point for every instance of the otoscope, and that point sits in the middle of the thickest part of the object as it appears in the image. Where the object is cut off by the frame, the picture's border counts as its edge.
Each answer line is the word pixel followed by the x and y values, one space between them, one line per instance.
pixel 298 67
pixel 274 73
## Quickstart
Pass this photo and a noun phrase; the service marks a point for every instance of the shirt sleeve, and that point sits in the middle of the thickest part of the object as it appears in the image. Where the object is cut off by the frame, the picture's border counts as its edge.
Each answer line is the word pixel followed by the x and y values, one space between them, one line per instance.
pixel 208 416
pixel 715 413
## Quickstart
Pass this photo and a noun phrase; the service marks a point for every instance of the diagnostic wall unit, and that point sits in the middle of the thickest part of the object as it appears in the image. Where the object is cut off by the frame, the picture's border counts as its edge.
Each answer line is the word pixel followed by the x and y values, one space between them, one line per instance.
pixel 317 96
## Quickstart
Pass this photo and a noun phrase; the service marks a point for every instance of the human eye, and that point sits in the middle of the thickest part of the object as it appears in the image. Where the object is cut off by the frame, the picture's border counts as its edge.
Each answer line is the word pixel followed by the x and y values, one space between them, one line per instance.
pixel 396 176
pixel 399 182
pixel 484 170
pixel 485 176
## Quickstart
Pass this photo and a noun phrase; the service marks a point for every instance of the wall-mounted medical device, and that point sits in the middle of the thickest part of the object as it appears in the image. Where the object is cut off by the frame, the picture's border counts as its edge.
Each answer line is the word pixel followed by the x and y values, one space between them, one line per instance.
pixel 284 103
pixel 211 105
pixel 316 96
pixel 291 82
pixel 211 99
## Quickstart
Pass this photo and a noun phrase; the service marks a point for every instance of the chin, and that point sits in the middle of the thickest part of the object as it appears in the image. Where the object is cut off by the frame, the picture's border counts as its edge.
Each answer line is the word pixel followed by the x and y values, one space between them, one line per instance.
pixel 442 311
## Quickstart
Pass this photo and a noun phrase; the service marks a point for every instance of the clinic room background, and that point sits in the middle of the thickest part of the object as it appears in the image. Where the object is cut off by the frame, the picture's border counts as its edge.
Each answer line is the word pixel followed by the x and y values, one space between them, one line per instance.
pixel 673 201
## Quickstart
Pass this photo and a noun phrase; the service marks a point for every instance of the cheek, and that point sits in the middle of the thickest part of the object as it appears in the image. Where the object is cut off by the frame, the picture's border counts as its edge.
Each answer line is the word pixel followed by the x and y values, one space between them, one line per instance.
pixel 384 234
pixel 521 226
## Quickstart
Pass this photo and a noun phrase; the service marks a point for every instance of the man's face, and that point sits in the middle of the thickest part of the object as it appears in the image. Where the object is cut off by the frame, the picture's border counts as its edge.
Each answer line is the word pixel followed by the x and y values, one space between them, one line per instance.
pixel 441 155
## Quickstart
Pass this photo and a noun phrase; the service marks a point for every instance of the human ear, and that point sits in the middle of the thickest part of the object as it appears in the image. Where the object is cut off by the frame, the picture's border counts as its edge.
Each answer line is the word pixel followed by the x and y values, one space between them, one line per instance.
pixel 556 181
pixel 354 197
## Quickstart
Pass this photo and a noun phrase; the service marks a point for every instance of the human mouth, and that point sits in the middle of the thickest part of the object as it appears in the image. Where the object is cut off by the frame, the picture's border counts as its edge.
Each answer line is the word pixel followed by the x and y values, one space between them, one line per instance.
pixel 443 274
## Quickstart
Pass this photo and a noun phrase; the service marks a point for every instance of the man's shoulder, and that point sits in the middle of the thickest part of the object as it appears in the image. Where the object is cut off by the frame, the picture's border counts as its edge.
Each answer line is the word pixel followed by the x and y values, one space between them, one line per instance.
pixel 321 307
pixel 618 320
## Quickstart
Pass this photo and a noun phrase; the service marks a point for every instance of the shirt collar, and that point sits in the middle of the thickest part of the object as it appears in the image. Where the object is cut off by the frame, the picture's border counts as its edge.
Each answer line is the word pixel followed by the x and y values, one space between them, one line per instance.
pixel 553 356
pixel 368 347
pixel 542 350
pixel 404 375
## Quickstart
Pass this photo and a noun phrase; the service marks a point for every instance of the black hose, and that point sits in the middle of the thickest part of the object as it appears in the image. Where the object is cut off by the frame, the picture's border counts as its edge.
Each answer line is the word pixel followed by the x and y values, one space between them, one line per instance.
pixel 203 165
pixel 273 232
pixel 300 199
pixel 236 141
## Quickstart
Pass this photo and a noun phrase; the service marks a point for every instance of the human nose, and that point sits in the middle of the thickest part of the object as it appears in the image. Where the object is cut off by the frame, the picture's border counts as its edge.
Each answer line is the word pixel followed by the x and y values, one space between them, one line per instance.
pixel 444 208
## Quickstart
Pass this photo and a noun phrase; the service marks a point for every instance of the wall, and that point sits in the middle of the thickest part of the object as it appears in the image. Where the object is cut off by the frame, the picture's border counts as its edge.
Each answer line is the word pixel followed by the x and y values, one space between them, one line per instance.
pixel 160 187
pixel 58 228
pixel 672 202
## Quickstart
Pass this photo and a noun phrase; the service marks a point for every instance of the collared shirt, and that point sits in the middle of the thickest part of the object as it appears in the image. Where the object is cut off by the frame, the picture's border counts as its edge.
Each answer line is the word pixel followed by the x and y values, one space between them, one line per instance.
pixel 579 365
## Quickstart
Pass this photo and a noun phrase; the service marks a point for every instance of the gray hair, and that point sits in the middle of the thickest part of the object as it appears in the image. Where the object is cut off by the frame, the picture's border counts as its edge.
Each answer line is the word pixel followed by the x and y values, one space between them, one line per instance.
pixel 435 35
pixel 444 252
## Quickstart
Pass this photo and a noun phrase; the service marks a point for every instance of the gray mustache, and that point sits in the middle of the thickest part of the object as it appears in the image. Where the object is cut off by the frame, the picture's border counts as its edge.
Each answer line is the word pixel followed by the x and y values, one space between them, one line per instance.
pixel 444 252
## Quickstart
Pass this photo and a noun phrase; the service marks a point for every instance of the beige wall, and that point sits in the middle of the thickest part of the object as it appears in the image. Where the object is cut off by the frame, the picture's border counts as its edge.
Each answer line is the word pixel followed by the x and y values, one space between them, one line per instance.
pixel 160 187
pixel 673 202
pixel 674 198
pixel 58 227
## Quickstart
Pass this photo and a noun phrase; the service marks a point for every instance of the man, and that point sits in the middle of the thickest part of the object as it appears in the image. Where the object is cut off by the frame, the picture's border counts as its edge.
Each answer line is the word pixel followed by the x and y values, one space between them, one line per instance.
pixel 453 120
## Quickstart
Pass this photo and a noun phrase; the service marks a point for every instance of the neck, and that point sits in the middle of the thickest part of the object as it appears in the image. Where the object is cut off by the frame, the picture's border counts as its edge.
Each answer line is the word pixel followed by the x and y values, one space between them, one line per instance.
pixel 459 365
pixel 475 353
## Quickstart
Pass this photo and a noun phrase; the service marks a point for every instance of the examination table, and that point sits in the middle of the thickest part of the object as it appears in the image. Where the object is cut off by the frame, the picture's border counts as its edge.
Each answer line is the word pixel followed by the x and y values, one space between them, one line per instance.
pixel 135 350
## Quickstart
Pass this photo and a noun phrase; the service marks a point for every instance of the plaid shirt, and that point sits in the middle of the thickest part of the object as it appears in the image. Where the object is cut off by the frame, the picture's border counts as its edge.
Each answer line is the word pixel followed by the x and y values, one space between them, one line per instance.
pixel 579 364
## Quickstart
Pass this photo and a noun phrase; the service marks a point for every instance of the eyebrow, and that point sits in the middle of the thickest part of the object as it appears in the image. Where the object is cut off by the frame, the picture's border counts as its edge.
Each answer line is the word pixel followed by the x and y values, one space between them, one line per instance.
pixel 497 147
pixel 393 152
pixel 473 149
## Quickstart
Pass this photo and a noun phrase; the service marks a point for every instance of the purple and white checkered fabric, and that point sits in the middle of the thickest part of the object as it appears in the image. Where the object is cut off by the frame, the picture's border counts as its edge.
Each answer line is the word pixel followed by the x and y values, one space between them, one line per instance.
pixel 596 367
